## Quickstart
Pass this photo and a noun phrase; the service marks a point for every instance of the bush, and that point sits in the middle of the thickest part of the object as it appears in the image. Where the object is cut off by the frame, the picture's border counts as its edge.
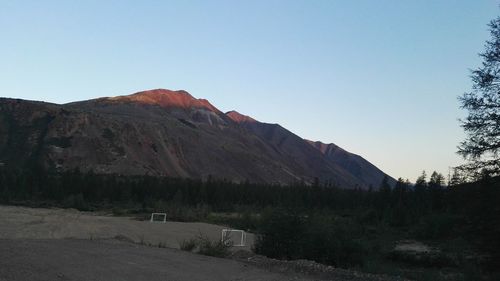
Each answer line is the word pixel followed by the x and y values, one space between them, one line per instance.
pixel 211 248
pixel 184 213
pixel 206 247
pixel 188 245
pixel 334 241
pixel 436 226
pixel 118 211
pixel 324 239
pixel 280 233
pixel 244 220
pixel 76 201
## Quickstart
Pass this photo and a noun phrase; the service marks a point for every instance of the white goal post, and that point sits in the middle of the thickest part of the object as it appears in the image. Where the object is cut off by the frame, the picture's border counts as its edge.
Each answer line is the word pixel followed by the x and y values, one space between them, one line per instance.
pixel 158 217
pixel 227 237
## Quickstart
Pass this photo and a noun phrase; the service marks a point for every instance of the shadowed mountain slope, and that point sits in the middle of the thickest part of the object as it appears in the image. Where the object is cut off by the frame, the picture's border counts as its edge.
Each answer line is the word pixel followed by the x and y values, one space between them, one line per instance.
pixel 354 164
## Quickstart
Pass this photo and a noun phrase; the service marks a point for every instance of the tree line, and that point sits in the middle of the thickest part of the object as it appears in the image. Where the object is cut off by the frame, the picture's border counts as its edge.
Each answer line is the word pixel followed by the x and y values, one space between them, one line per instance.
pixel 221 195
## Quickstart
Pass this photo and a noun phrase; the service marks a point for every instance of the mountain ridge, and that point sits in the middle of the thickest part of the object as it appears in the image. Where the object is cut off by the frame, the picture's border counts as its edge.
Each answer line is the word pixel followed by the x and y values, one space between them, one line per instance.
pixel 239 118
pixel 167 98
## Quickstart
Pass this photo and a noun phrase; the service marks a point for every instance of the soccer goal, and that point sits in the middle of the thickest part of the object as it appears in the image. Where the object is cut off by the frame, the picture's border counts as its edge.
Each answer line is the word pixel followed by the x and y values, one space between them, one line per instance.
pixel 234 237
pixel 158 217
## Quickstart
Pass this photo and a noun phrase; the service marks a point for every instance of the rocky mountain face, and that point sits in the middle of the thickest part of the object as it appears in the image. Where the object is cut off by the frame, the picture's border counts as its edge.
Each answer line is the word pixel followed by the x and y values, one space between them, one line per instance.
pixel 169 133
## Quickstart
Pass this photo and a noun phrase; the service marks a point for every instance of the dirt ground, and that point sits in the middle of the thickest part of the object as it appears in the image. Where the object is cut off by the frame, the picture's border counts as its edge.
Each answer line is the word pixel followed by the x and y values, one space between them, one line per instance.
pixel 89 260
pixel 57 244
pixel 21 222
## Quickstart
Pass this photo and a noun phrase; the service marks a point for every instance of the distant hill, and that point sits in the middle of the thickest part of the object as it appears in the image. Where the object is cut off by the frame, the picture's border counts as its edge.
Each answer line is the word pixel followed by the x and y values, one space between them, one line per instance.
pixel 170 133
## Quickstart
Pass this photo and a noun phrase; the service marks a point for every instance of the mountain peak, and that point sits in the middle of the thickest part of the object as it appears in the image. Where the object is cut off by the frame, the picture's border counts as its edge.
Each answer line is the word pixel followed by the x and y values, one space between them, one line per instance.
pixel 239 118
pixel 167 98
pixel 163 92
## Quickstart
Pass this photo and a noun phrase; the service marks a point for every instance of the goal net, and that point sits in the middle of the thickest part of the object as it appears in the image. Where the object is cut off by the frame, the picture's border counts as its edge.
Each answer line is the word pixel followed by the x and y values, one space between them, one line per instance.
pixel 234 237
pixel 158 217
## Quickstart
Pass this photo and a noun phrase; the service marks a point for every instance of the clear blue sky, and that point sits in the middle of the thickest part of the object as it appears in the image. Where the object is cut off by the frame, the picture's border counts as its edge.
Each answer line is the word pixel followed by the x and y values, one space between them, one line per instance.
pixel 378 78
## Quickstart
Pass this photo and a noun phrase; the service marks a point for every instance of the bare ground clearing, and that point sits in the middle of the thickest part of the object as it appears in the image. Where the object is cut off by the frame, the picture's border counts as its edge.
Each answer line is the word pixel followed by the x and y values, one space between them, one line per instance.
pixel 35 223
pixel 92 260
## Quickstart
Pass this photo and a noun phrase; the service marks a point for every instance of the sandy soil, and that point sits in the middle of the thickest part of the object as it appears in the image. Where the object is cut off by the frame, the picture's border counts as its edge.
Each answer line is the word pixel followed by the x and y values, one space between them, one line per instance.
pixel 21 222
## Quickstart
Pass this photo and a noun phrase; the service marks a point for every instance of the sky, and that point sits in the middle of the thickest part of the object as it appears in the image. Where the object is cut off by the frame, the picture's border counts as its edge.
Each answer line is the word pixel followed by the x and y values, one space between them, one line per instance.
pixel 378 78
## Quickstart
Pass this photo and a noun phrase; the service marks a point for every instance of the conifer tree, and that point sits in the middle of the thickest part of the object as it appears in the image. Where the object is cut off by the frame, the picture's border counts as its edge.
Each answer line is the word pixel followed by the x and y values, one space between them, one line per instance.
pixel 482 125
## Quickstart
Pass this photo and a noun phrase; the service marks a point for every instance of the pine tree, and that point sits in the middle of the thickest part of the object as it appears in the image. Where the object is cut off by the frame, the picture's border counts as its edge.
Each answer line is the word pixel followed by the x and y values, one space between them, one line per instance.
pixel 482 125
pixel 436 180
pixel 456 178
pixel 421 181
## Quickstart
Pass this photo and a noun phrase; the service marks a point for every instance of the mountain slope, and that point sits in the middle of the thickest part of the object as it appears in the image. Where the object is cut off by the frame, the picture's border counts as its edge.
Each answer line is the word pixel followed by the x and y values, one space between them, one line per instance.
pixel 163 132
pixel 349 168
pixel 357 166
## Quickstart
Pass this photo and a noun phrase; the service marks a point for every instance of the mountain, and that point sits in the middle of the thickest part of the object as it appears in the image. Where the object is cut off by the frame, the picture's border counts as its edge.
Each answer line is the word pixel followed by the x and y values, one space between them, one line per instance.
pixel 169 133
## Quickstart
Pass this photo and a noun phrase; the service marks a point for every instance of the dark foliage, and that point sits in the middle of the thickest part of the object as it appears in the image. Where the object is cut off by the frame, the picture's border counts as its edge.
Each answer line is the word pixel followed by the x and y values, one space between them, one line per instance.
pixel 482 125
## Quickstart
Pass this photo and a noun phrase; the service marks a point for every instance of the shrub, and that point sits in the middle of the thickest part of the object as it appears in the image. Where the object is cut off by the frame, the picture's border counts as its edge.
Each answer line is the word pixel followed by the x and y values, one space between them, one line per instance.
pixel 184 213
pixel 280 233
pixel 205 246
pixel 188 245
pixel 242 220
pixel 333 241
pixel 118 211
pixel 208 247
pixel 324 239
pixel 436 226
pixel 76 201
